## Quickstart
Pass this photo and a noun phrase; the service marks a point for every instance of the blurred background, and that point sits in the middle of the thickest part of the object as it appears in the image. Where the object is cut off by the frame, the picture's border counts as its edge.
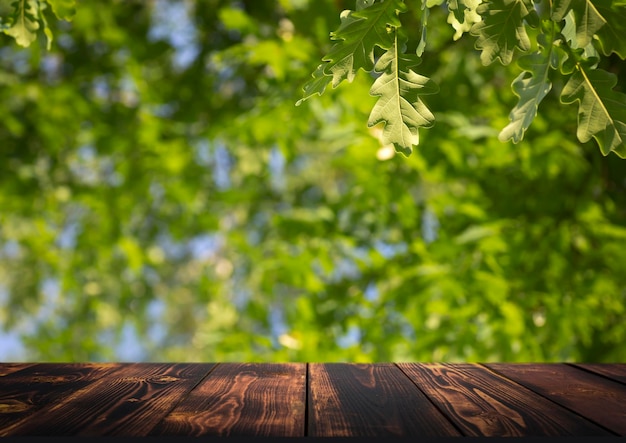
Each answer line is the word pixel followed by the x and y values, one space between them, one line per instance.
pixel 163 199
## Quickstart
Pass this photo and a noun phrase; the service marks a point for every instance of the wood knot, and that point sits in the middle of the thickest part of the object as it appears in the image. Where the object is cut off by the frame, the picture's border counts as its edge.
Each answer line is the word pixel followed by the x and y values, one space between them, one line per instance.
pixel 8 406
pixel 163 379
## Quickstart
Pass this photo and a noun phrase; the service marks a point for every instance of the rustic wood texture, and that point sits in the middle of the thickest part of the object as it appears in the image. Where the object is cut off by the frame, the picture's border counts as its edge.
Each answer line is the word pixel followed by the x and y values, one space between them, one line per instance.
pixel 34 387
pixel 9 368
pixel 615 372
pixel 370 400
pixel 129 401
pixel 314 399
pixel 482 403
pixel 243 400
pixel 592 396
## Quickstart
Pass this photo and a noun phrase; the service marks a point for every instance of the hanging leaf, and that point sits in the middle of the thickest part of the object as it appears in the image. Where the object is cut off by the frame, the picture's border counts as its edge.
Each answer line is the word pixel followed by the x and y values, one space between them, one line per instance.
pixel 360 31
pixel 46 29
pixel 317 85
pixel 568 31
pixel 588 19
pixel 25 22
pixel 611 35
pixel 399 105
pixel 601 111
pixel 458 9
pixel 63 9
pixel 462 16
pixel 502 28
pixel 531 86
pixel 422 44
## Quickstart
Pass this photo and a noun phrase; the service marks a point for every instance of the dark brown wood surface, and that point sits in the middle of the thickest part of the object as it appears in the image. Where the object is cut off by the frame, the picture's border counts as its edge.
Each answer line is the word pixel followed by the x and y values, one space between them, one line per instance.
pixel 483 403
pixel 243 400
pixel 314 399
pixel 597 398
pixel 615 372
pixel 370 400
pixel 24 393
pixel 7 368
pixel 128 401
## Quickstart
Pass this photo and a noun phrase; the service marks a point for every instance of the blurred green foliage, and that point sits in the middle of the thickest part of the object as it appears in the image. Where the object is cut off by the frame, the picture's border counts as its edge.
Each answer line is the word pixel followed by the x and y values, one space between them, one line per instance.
pixel 157 181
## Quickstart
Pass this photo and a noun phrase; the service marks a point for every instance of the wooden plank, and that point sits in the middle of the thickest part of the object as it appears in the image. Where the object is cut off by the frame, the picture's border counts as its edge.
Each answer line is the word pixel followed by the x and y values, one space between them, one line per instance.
pixel 33 387
pixel 484 404
pixel 128 402
pixel 9 368
pixel 370 400
pixel 243 399
pixel 614 371
pixel 596 398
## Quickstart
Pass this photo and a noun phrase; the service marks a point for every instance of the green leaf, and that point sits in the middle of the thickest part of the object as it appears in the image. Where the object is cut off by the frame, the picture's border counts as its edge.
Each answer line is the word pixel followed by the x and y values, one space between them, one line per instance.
pixel 458 9
pixel 588 19
pixel 611 35
pixel 422 44
pixel 46 28
pixel 601 111
pixel 25 22
pixel 399 105
pixel 359 33
pixel 568 31
pixel 317 85
pixel 502 29
pixel 531 86
pixel 63 9
pixel 362 4
pixel 462 16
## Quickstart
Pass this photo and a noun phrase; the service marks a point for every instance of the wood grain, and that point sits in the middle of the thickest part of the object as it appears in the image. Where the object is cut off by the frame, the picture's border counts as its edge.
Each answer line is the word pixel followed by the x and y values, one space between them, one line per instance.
pixel 34 387
pixel 613 371
pixel 592 396
pixel 243 400
pixel 129 402
pixel 9 368
pixel 482 403
pixel 430 400
pixel 370 400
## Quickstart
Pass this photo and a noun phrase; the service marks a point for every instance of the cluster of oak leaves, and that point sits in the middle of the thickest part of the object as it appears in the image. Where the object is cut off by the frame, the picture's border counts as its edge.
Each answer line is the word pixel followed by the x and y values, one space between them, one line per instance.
pixel 571 37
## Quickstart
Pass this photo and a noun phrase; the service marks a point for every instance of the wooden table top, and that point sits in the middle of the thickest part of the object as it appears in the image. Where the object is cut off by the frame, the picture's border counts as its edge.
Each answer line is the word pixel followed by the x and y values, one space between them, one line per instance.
pixel 312 399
